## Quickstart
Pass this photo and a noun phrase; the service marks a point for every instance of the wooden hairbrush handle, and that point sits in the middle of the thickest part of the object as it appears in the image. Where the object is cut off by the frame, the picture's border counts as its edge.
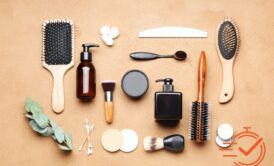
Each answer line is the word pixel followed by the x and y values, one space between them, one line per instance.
pixel 109 111
pixel 58 91
pixel 201 77
pixel 227 85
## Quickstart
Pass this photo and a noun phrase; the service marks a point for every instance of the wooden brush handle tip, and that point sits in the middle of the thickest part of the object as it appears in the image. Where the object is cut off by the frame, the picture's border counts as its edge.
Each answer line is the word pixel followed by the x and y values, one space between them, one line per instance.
pixel 109 111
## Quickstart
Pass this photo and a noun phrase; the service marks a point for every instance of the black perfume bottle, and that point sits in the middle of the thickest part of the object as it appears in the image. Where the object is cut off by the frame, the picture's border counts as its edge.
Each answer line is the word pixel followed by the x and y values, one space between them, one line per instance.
pixel 168 104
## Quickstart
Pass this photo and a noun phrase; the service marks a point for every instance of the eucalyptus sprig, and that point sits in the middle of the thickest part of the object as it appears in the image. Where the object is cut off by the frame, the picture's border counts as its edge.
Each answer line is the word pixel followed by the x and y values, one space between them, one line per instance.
pixel 40 123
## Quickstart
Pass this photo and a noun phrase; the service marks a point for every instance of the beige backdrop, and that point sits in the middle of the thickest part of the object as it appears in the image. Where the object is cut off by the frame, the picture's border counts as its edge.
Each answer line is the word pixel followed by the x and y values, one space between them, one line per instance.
pixel 23 75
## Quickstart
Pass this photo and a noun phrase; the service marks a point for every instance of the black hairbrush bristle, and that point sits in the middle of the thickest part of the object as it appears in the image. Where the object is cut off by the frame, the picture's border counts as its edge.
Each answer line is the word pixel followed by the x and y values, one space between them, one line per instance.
pixel 228 39
pixel 57 42
pixel 199 122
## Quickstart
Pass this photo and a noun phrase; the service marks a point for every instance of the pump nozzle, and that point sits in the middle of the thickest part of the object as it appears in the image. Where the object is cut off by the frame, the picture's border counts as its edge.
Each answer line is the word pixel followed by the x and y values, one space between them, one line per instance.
pixel 86 55
pixel 166 80
pixel 168 87
pixel 88 45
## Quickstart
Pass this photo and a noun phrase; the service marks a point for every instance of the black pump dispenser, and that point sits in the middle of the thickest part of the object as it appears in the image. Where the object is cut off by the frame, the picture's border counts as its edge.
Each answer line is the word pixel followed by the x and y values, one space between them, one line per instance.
pixel 86 55
pixel 168 104
pixel 167 87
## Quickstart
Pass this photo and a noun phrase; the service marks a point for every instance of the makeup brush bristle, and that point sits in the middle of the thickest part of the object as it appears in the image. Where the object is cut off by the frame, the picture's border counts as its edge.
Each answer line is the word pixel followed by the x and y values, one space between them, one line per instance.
pixel 153 143
pixel 108 85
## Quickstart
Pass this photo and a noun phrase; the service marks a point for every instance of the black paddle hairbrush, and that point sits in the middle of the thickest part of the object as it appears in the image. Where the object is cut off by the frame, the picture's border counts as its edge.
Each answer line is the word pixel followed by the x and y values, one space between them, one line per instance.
pixel 228 42
pixel 199 116
pixel 57 56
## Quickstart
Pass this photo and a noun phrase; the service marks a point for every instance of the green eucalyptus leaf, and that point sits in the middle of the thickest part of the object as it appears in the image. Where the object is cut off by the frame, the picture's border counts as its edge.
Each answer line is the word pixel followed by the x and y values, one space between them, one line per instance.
pixel 41 119
pixel 53 124
pixel 28 104
pixel 59 134
pixel 68 140
pixel 36 128
pixel 40 123
pixel 64 147
pixel 49 132
pixel 35 108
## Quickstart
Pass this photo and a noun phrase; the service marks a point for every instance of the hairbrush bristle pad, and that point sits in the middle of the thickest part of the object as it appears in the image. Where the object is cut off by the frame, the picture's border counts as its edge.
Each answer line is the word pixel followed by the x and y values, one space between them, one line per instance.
pixel 58 42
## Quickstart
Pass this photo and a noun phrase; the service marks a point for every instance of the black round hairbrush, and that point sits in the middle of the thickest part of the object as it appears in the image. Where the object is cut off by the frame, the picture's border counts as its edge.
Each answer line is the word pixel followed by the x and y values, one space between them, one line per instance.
pixel 199 115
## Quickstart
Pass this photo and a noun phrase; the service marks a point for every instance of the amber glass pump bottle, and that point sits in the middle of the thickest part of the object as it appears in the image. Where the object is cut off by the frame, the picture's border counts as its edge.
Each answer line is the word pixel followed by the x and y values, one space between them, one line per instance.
pixel 86 85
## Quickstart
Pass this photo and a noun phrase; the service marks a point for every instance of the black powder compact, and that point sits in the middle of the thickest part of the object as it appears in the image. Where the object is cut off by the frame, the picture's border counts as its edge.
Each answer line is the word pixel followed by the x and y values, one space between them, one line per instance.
pixel 135 84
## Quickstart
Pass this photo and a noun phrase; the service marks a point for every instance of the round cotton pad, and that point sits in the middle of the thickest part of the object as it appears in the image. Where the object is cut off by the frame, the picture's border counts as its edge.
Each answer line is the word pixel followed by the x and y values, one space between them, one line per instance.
pixel 130 140
pixel 107 40
pixel 223 144
pixel 104 30
pixel 225 131
pixel 112 140
pixel 135 83
pixel 114 32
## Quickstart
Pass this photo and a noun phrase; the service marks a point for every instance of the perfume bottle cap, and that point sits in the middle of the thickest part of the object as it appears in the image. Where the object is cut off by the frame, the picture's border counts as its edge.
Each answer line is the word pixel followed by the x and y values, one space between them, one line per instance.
pixel 167 87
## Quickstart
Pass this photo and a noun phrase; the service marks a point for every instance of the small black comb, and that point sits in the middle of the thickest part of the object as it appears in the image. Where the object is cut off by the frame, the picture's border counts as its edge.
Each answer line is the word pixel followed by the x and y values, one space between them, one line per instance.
pixel 57 56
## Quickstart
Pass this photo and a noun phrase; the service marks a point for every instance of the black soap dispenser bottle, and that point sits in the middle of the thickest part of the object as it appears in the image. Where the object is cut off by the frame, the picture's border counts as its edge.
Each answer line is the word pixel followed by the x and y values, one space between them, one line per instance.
pixel 168 104
pixel 86 85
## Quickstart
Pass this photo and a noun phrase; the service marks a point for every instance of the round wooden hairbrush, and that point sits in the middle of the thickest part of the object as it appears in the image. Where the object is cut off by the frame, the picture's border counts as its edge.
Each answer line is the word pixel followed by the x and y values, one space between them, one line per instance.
pixel 227 44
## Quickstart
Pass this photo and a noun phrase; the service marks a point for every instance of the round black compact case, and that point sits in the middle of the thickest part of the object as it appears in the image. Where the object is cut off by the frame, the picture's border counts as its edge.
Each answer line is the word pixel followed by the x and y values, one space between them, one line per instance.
pixel 135 84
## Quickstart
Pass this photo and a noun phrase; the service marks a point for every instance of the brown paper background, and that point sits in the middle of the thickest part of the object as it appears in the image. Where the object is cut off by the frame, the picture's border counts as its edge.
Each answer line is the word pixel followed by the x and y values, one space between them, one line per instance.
pixel 22 75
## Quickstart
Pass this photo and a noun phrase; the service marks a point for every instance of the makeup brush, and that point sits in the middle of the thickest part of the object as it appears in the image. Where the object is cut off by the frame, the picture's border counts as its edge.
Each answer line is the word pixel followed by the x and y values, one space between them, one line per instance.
pixel 108 87
pixel 198 128
pixel 174 143
pixel 178 55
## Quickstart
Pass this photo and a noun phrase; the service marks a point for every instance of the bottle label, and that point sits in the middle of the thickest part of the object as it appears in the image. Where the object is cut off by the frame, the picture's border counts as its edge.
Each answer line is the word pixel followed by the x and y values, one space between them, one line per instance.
pixel 86 79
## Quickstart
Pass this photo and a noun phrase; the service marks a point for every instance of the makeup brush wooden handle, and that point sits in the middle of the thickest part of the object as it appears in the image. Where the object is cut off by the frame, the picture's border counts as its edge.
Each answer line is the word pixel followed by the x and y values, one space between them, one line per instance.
pixel 58 91
pixel 228 83
pixel 201 77
pixel 109 111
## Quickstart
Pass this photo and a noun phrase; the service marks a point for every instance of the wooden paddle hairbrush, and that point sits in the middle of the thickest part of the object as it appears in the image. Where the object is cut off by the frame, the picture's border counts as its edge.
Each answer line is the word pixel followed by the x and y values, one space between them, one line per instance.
pixel 228 42
pixel 199 117
pixel 57 56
